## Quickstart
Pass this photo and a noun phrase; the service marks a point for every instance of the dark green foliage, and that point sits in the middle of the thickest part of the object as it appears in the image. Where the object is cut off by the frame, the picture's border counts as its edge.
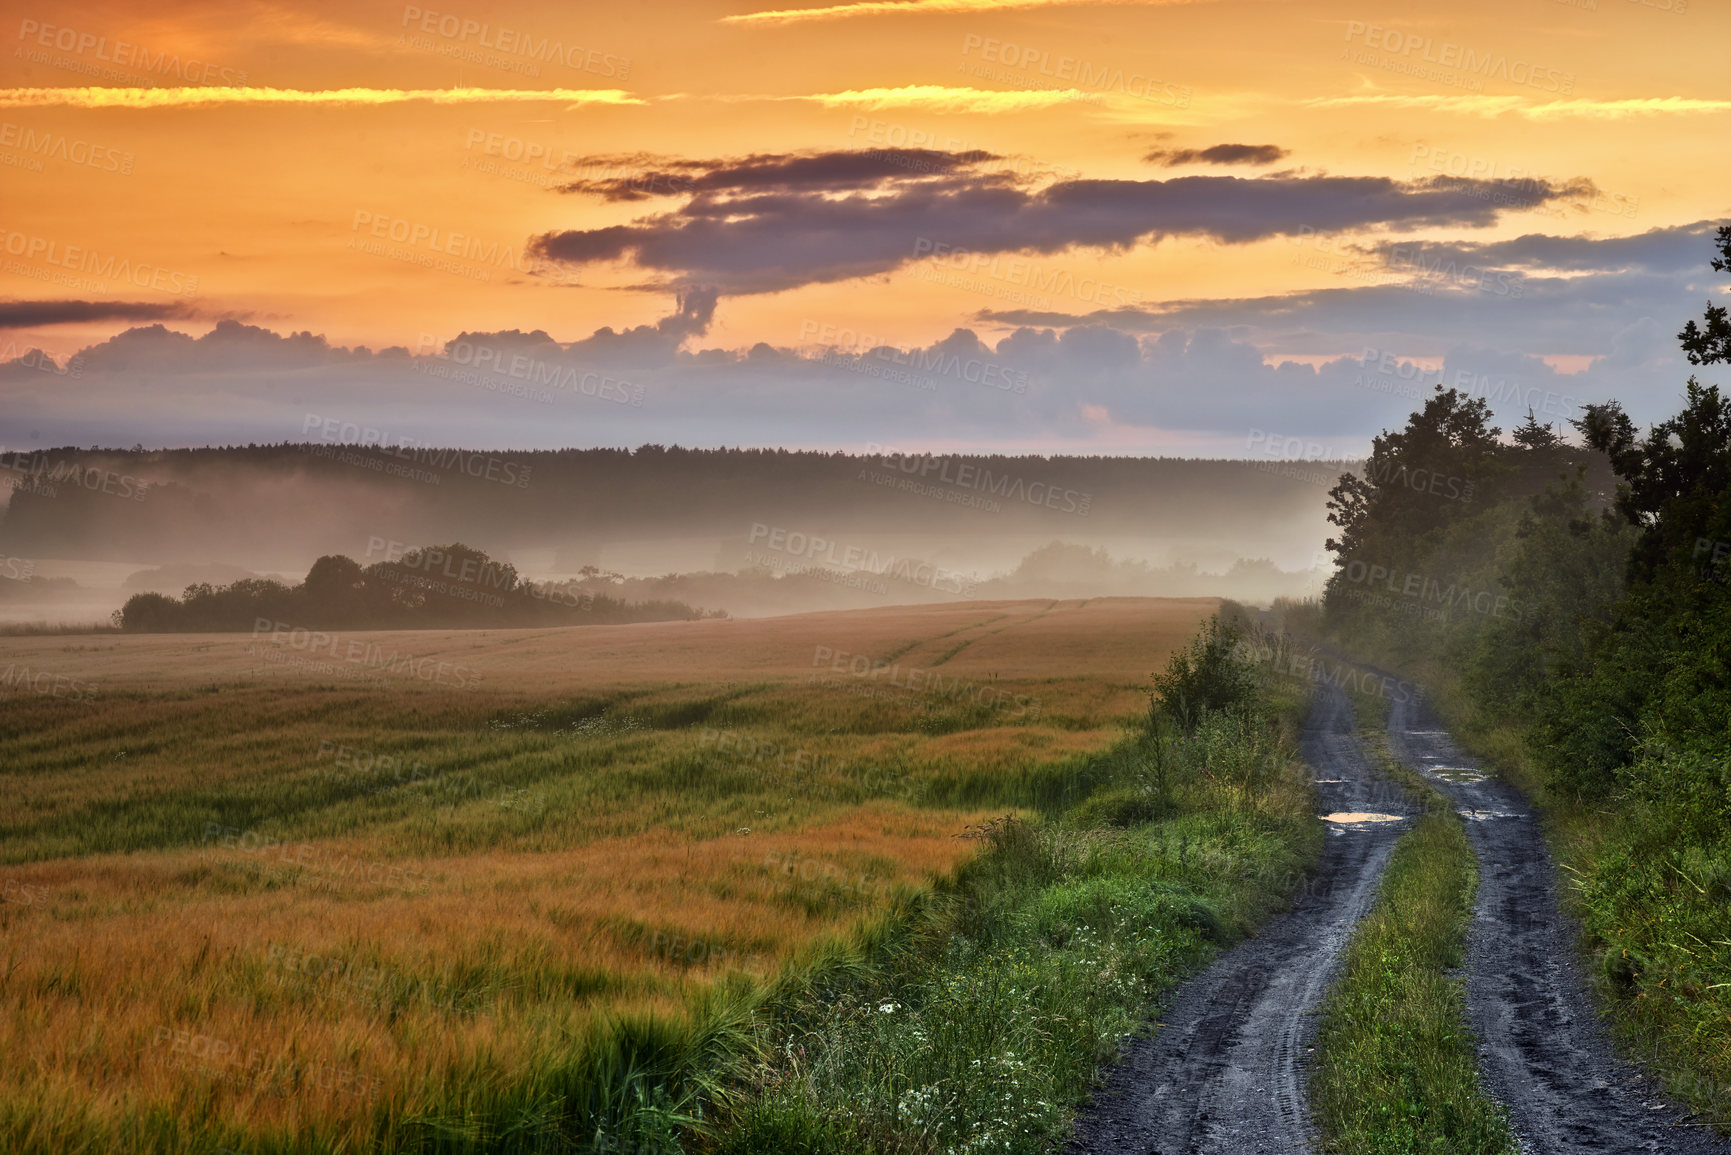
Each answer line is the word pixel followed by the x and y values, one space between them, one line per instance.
pixel 439 587
pixel 1206 675
pixel 1710 342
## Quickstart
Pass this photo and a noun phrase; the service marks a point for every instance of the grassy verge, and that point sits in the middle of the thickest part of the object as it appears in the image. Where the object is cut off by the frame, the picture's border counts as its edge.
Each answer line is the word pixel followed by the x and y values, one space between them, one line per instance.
pixel 1397 1071
pixel 987 1027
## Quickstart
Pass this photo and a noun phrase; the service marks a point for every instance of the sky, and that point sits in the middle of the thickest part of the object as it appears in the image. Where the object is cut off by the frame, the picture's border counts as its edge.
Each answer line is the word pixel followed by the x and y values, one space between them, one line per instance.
pixel 1220 228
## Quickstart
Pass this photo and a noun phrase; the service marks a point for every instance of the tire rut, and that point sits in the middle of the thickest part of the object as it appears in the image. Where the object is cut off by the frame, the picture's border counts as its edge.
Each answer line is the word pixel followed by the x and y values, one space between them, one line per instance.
pixel 1543 1051
pixel 1225 1071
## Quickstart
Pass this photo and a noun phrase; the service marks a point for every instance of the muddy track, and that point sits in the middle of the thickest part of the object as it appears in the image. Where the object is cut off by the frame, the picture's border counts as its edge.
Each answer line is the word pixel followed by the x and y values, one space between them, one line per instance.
pixel 1542 1049
pixel 1226 1069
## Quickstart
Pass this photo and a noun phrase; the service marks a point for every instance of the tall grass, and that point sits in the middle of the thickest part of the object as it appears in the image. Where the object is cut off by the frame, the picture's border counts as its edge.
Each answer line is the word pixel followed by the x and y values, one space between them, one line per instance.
pixel 985 1028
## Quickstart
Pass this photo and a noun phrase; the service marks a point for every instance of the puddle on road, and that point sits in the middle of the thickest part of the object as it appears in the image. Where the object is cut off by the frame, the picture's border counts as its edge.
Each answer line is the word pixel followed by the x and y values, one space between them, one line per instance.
pixel 1326 781
pixel 1481 815
pixel 1464 775
pixel 1359 817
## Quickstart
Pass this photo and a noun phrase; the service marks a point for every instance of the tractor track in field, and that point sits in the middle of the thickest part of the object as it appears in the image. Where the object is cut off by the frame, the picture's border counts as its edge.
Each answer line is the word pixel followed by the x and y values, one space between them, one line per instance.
pixel 1225 1071
pixel 1543 1051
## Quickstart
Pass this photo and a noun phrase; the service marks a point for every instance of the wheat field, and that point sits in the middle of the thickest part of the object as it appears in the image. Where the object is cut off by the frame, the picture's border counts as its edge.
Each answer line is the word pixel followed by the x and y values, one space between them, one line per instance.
pixel 286 883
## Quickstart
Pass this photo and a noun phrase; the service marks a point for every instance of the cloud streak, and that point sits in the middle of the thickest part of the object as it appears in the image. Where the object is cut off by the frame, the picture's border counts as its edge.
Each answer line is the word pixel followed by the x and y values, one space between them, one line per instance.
pixel 942 98
pixel 915 8
pixel 1218 154
pixel 189 97
pixel 1491 106
pixel 33 314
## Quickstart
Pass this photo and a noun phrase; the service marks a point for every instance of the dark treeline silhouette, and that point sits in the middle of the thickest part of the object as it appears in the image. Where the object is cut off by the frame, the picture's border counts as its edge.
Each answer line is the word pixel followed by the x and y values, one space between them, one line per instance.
pixel 438 587
pixel 275 506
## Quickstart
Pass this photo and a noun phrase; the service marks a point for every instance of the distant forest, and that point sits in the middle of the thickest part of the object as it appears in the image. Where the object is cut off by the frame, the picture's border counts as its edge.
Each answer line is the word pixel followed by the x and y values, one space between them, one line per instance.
pixel 275 507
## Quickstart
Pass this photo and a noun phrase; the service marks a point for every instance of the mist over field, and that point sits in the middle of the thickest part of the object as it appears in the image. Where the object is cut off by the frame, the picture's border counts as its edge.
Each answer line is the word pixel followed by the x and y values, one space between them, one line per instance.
pixel 745 532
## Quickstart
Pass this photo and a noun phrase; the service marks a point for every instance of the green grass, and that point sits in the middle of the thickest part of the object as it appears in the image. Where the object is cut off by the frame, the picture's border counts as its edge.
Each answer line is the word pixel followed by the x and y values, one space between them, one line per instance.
pixel 1396 1072
pixel 989 1024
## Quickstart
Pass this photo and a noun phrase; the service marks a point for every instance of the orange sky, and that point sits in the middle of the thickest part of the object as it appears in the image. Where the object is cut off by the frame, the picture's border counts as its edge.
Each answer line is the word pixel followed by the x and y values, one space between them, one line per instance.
pixel 257 199
pixel 238 157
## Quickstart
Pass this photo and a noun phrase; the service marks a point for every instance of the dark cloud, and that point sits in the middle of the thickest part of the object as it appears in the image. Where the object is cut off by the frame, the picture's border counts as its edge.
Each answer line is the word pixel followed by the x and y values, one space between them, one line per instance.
pixel 767 241
pixel 782 172
pixel 1671 250
pixel 1218 154
pixel 32 314
pixel 1574 295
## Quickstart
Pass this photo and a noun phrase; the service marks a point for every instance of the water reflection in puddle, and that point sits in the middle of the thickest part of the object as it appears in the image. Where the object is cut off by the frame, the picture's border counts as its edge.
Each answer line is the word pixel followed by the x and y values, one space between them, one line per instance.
pixel 1359 817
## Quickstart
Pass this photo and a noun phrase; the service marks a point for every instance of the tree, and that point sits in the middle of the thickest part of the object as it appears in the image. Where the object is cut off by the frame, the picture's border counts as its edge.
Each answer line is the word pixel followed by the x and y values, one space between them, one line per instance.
pixel 1675 485
pixel 1450 442
pixel 1710 342
pixel 1206 675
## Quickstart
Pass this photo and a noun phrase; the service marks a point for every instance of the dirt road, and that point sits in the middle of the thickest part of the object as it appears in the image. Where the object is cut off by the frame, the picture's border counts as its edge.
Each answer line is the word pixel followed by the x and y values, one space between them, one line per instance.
pixel 1542 1049
pixel 1225 1072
